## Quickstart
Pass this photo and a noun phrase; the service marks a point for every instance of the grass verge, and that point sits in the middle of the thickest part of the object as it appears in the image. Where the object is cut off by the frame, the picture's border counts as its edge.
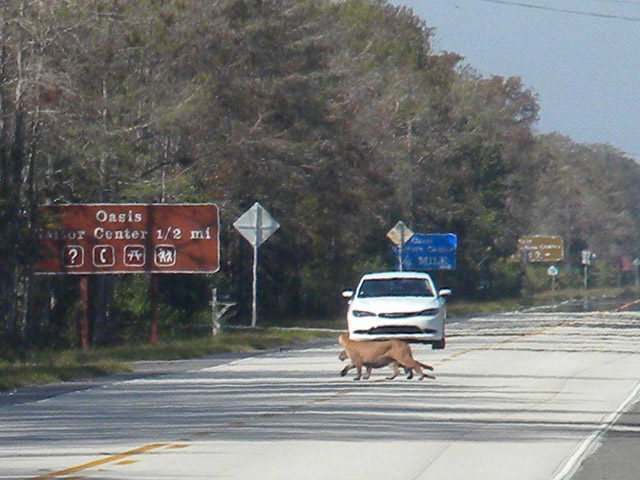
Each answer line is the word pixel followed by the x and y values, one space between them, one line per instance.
pixel 42 367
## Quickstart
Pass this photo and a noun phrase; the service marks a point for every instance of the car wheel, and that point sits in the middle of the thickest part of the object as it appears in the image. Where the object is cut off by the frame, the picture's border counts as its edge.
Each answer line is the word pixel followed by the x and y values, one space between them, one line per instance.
pixel 439 345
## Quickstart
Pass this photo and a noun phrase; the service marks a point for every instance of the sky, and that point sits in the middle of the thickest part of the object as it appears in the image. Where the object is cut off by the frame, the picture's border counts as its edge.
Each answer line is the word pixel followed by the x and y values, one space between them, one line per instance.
pixel 581 57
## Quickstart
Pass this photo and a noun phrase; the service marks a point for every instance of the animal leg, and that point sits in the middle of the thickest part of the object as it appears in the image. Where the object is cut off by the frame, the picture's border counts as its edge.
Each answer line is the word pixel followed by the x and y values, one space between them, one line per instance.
pixel 423 375
pixel 359 375
pixel 396 371
pixel 424 365
pixel 418 369
pixel 344 371
pixel 367 374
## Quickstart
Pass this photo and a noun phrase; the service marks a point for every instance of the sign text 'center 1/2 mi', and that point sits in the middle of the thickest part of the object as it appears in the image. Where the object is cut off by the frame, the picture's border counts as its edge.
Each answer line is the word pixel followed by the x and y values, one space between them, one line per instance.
pixel 129 238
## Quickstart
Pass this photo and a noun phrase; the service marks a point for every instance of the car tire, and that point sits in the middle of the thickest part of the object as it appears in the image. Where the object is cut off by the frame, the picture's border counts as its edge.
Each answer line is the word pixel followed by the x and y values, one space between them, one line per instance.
pixel 439 345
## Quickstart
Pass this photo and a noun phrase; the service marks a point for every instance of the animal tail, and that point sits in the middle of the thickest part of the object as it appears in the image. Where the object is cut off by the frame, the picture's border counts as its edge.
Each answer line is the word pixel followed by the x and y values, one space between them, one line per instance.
pixel 424 365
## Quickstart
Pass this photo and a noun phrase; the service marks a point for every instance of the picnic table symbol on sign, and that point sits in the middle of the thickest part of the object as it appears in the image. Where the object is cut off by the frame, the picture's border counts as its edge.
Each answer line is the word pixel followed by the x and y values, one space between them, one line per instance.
pixel 134 255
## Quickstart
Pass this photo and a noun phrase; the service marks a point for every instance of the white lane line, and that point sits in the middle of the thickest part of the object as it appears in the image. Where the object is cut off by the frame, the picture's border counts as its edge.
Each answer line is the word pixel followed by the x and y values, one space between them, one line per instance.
pixel 591 443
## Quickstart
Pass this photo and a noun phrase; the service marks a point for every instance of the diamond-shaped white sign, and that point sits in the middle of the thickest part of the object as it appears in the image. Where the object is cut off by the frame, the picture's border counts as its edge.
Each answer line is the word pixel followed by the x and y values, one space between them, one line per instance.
pixel 256 225
pixel 398 232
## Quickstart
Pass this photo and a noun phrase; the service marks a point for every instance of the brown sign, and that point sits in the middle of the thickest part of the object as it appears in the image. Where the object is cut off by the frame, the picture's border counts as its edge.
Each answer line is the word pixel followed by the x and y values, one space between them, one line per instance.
pixel 540 248
pixel 129 238
pixel 625 264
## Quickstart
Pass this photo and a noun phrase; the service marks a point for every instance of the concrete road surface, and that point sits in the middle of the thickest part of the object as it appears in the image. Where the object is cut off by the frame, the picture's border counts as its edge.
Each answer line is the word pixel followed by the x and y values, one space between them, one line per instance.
pixel 516 397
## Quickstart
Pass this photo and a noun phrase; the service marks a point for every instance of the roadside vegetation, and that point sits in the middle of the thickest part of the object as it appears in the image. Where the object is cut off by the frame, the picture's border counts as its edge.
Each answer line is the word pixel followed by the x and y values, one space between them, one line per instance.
pixel 338 116
pixel 36 367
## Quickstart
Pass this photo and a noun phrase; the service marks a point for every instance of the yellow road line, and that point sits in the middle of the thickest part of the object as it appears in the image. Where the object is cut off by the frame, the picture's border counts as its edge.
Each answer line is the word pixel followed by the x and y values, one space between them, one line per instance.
pixel 626 305
pixel 102 461
pixel 177 446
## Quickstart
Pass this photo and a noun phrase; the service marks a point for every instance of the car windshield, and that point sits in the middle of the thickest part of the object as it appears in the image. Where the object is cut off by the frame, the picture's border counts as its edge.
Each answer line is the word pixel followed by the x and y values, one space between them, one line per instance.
pixel 395 287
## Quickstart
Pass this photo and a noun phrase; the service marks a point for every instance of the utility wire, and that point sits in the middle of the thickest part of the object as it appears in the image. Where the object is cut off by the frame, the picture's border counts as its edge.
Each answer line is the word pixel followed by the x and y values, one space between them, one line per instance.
pixel 563 10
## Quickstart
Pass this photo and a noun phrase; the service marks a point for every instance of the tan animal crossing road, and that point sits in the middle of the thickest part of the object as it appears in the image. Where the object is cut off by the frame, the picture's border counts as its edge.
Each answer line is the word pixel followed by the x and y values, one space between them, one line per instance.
pixel 524 396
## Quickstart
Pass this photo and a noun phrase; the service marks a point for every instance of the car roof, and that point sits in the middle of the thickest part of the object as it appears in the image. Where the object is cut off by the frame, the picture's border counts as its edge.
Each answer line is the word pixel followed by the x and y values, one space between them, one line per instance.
pixel 387 275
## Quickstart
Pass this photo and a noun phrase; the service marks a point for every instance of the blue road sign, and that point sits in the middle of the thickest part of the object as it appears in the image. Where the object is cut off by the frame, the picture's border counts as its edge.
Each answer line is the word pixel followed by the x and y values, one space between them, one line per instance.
pixel 429 251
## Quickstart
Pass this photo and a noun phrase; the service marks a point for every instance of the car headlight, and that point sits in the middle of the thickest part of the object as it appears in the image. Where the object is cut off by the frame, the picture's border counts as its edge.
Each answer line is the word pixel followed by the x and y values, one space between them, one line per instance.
pixel 362 313
pixel 428 312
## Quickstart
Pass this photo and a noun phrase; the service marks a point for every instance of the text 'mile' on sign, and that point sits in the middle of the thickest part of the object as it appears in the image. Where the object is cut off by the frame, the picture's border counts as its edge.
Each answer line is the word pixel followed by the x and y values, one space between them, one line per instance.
pixel 129 238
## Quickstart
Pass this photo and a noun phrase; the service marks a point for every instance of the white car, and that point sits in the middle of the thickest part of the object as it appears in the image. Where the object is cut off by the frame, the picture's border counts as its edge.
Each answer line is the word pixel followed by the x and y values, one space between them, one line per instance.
pixel 402 305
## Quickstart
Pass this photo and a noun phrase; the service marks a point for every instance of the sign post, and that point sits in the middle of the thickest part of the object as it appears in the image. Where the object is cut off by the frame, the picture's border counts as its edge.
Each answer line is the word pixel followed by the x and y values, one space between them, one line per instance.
pixel 153 297
pixel 552 271
pixel 218 310
pixel 256 225
pixel 636 264
pixel 399 235
pixel 83 315
pixel 586 257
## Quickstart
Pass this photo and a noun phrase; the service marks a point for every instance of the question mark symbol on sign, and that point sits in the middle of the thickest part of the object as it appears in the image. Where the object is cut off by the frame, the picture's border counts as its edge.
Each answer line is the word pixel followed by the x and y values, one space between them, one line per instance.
pixel 73 256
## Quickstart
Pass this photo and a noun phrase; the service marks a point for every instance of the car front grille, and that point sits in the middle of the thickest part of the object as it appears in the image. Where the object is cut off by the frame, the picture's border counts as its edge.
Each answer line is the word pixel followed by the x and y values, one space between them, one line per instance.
pixel 393 330
pixel 395 315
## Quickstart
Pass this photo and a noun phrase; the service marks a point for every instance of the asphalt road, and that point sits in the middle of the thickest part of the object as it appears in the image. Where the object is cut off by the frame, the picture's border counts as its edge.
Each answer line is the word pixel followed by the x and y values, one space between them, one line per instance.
pixel 537 396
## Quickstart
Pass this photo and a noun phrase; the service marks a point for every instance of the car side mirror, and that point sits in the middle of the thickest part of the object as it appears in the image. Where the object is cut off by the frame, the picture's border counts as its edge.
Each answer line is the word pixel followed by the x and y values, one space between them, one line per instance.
pixel 347 294
pixel 445 292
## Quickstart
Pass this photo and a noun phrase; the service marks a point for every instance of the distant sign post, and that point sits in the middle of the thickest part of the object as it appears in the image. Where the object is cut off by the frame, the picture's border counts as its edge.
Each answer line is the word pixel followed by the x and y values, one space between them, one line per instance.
pixel 430 251
pixel 586 256
pixel 256 225
pixel 541 248
pixel 552 271
pixel 400 235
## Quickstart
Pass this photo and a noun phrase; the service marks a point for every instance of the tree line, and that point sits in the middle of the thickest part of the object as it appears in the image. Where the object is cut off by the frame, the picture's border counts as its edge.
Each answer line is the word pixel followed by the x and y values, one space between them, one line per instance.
pixel 338 117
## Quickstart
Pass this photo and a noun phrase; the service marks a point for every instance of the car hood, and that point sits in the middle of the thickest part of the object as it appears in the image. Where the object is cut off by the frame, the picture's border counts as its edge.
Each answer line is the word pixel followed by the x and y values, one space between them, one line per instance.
pixel 394 304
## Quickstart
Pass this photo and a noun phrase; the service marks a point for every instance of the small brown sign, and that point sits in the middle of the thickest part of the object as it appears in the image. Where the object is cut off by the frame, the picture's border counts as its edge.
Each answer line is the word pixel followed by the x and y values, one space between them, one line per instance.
pixel 541 248
pixel 129 238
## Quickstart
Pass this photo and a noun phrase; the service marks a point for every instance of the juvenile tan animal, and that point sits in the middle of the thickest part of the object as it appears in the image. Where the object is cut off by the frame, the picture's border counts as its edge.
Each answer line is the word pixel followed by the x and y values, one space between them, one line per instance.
pixel 379 354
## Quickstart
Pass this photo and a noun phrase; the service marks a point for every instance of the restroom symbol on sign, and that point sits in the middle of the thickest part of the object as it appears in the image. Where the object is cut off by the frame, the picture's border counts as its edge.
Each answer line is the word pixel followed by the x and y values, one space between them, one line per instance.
pixel 165 255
